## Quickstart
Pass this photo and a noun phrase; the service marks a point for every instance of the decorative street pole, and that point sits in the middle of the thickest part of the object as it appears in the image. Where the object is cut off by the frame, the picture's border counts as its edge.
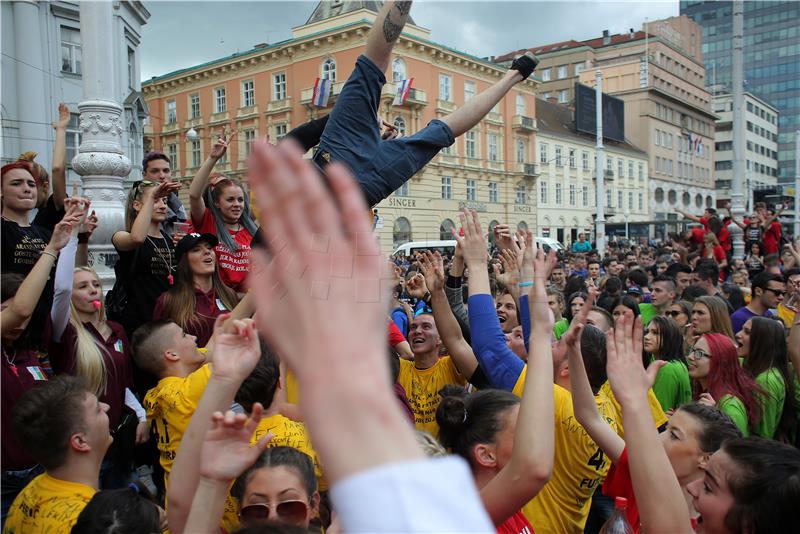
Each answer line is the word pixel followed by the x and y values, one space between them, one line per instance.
pixel 600 221
pixel 101 161
pixel 737 190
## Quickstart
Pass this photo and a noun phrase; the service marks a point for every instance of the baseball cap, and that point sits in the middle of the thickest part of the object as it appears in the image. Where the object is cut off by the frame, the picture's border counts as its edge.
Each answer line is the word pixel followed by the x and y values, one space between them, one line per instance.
pixel 190 240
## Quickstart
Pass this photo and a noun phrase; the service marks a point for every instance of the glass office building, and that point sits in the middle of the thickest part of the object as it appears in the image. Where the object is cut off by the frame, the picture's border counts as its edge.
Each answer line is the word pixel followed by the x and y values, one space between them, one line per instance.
pixel 771 60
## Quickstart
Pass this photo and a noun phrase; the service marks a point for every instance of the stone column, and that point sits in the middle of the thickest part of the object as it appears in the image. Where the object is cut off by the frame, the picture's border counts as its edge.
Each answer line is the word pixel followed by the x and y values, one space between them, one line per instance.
pixel 31 83
pixel 101 160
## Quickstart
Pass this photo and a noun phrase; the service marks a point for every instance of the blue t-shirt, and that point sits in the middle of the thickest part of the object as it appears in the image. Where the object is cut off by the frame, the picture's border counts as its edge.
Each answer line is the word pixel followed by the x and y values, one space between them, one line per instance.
pixel 741 316
pixel 581 247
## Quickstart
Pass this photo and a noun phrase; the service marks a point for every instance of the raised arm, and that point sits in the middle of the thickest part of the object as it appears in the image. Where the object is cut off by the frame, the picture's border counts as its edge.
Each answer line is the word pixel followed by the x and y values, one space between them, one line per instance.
pixel 433 270
pixel 531 462
pixel 62 286
pixel 59 164
pixel 27 296
pixel 658 493
pixel 329 328
pixel 84 234
pixel 454 290
pixel 123 240
pixel 688 215
pixel 197 205
pixel 235 355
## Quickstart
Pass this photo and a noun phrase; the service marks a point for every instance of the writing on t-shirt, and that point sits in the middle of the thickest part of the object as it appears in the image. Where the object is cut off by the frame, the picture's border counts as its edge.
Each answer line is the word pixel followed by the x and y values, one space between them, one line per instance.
pixel 28 250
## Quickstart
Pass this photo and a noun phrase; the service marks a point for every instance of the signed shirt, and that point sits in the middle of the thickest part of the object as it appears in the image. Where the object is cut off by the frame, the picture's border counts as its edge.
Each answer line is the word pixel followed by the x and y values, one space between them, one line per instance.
pixel 47 505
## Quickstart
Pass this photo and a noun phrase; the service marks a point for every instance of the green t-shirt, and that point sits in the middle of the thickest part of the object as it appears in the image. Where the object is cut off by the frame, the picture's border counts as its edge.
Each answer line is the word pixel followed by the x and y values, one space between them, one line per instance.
pixel 559 328
pixel 672 386
pixel 771 404
pixel 647 311
pixel 734 407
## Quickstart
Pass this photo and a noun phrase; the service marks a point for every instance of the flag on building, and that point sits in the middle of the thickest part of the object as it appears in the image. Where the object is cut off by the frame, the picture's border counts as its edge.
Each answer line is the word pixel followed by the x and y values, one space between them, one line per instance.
pixel 322 92
pixel 403 89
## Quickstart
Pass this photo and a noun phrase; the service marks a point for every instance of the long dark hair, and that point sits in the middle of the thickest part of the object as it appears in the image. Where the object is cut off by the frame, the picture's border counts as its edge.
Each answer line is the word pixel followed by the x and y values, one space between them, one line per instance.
pixel 670 345
pixel 212 196
pixel 768 351
pixel 568 304
pixel 288 457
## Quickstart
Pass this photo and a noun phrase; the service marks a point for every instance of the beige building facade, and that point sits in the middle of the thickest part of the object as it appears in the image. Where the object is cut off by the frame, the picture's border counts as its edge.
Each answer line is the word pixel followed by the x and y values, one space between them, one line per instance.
pixel 268 90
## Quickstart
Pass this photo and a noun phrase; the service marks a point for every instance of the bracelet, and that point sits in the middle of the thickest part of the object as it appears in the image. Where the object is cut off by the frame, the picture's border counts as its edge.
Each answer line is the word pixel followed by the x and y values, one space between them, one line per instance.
pixel 526 284
pixel 47 252
pixel 83 238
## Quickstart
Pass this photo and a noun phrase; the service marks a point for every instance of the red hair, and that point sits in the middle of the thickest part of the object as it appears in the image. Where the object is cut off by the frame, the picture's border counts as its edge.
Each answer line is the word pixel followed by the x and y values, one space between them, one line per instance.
pixel 17 165
pixel 726 376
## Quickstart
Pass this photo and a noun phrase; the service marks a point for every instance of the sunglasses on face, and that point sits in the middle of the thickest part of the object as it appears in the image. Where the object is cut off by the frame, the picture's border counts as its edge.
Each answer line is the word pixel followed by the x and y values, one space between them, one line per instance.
pixel 777 292
pixel 284 512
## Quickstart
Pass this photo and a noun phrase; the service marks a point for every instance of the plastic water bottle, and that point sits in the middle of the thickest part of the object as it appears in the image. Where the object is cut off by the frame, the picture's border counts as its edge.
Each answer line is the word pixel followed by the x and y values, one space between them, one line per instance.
pixel 618 522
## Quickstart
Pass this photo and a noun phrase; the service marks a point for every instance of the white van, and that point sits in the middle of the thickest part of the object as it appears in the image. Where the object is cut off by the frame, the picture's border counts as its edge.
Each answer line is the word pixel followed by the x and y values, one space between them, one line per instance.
pixel 448 247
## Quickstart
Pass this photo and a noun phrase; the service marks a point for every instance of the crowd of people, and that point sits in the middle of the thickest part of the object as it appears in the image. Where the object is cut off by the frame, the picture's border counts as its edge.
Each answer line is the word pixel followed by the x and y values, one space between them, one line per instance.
pixel 278 374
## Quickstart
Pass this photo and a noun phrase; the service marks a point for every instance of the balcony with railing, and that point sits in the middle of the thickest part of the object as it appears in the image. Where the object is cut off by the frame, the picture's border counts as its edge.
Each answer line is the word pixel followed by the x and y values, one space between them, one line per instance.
pixel 307 94
pixel 416 97
pixel 524 124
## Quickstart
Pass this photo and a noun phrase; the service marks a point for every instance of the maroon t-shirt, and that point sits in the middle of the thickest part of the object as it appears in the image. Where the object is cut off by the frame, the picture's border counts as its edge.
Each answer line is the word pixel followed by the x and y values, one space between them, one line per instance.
pixel 20 372
pixel 118 364
pixel 208 308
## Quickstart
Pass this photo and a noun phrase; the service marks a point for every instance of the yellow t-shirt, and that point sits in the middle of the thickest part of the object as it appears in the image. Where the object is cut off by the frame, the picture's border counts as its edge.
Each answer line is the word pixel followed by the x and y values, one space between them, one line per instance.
pixel 287 433
pixel 47 506
pixel 579 467
pixel 655 408
pixel 422 389
pixel 170 406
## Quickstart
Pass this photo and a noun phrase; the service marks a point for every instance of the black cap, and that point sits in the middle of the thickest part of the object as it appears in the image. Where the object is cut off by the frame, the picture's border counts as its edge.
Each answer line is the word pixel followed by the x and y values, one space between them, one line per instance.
pixel 190 240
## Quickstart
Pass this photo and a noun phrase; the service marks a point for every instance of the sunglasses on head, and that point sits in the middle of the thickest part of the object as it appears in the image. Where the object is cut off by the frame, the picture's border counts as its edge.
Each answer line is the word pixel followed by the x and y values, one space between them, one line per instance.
pixel 284 512
pixel 138 184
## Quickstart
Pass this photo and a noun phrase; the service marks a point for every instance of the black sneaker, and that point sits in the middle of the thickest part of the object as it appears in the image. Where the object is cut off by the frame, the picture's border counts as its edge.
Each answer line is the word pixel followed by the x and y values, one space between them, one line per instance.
pixel 525 64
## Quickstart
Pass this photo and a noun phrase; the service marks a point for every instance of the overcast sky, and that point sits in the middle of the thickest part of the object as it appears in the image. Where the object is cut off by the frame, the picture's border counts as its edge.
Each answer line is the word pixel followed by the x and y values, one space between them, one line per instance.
pixel 183 34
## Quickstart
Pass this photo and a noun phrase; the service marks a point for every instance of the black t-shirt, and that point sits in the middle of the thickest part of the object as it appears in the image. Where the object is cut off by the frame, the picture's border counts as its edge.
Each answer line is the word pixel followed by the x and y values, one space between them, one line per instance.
pixel 752 234
pixel 146 279
pixel 49 215
pixel 21 247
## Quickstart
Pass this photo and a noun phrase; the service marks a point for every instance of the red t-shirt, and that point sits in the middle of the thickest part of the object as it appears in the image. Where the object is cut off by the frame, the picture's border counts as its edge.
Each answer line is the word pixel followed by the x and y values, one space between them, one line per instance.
pixel 20 372
pixel 725 239
pixel 207 308
pixel 395 335
pixel 233 265
pixel 516 524
pixel 697 235
pixel 772 236
pixel 618 484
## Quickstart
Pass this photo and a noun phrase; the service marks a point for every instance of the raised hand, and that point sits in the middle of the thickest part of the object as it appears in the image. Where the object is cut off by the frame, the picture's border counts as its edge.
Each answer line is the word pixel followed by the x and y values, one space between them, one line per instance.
pixel 226 450
pixel 63 231
pixel 63 117
pixel 707 399
pixel 416 287
pixel 90 224
pixel 219 148
pixel 236 348
pixel 433 270
pixel 163 189
pixel 473 243
pixel 628 378
pixel 502 236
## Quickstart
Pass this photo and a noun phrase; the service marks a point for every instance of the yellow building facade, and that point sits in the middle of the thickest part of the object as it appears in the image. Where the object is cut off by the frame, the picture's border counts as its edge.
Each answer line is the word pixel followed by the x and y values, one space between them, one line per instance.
pixel 268 90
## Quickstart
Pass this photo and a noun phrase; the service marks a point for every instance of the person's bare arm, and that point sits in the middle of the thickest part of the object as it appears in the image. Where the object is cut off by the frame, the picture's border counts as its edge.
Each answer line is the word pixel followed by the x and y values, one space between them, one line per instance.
pixel 687 215
pixel 197 206
pixel 59 164
pixel 135 238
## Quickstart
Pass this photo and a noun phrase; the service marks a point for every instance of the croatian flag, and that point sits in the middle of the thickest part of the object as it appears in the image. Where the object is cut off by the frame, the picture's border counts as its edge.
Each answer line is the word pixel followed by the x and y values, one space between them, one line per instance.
pixel 402 92
pixel 322 92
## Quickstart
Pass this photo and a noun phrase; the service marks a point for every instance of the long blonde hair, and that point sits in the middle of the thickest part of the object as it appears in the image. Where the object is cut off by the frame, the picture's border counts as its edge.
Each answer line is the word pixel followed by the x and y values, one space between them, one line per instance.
pixel 90 355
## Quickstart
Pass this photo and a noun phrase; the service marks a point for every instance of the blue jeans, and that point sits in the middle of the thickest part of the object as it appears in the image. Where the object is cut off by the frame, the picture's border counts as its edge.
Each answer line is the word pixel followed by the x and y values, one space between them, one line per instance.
pixel 12 483
pixel 353 136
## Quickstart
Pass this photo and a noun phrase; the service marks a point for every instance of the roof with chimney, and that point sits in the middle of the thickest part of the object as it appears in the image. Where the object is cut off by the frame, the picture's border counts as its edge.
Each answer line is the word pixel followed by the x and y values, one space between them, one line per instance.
pixel 331 8
pixel 559 120
pixel 599 42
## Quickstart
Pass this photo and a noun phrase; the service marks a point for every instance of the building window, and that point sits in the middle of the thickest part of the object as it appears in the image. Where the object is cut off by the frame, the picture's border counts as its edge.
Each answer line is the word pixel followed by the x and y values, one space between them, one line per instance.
pixel 620 167
pixel 194 106
pixel 471 190
pixel 585 160
pixel 558 194
pixel 572 194
pixel 619 199
pixel 172 154
pixel 328 70
pixel 546 75
pixel 469 143
pixel 630 200
pixel 445 83
pixel 641 201
pixel 281 130
pixel 447 187
pixel 249 137
pixel 73 136
pixel 543 192
pixel 608 198
pixel 220 105
pixel 563 96
pixel 70 50
pixel 131 68
pixel 446 230
pixel 469 90
pixel 398 70
pixel 492 147
pixel 520 151
pixel 248 93
pixel 610 164
pixel 562 72
pixel 195 153
pixel 558 156
pixel 492 191
pixel 520 104
pixel 172 112
pixel 521 195
pixel 542 152
pixel 572 157
pixel 279 86
pixel 630 170
pixel 400 124
pixel 401 231
pixel 402 191
pixel 579 67
pixel 585 195
pixel 641 172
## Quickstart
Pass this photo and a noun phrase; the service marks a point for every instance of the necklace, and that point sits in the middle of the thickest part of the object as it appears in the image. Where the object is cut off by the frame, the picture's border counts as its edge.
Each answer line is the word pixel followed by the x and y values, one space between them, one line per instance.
pixel 168 264
pixel 11 362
